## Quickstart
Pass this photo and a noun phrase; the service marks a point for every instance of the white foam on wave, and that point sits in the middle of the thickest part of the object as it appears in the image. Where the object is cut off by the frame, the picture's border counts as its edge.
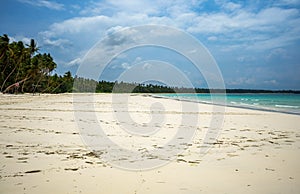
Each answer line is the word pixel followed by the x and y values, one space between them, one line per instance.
pixel 285 106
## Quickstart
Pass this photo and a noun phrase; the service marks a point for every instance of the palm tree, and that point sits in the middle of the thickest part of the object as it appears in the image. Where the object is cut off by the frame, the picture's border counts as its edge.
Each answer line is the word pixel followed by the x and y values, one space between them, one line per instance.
pixel 4 46
pixel 20 65
pixel 49 66
pixel 15 61
pixel 26 66
pixel 43 65
pixel 5 53
pixel 32 47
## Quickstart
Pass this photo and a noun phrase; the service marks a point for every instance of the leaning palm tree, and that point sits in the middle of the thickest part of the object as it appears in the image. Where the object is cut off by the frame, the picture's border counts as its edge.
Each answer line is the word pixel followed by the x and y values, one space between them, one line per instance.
pixel 15 61
pixel 22 69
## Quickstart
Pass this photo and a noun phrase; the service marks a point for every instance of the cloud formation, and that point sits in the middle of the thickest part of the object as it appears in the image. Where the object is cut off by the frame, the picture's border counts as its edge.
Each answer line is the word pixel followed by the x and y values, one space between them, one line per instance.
pixel 44 3
pixel 238 33
pixel 267 26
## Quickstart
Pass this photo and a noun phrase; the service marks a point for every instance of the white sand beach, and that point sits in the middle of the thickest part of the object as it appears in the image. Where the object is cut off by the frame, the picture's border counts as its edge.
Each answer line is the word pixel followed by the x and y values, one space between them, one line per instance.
pixel 42 149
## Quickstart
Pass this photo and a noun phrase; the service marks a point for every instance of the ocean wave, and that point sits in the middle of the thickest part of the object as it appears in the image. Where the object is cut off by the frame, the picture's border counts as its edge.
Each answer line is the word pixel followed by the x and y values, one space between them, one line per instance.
pixel 278 103
pixel 285 106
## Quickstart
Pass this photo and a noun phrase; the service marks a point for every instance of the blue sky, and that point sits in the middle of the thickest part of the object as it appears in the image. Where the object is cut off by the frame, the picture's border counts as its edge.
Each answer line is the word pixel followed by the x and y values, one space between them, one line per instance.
pixel 255 43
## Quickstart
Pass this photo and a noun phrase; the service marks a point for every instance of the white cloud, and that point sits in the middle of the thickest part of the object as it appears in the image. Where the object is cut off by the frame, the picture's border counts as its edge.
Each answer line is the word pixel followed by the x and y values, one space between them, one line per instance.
pixel 177 13
pixel 125 66
pixel 234 28
pixel 12 39
pixel 281 40
pixel 212 38
pixel 241 81
pixel 137 60
pixel 272 82
pixel 61 43
pixel 76 61
pixel 44 3
pixel 242 24
pixel 278 53
pixel 266 20
pixel 146 7
pixel 230 6
pixel 245 59
pixel 267 29
pixel 24 39
pixel 146 66
pixel 79 25
pixel 287 2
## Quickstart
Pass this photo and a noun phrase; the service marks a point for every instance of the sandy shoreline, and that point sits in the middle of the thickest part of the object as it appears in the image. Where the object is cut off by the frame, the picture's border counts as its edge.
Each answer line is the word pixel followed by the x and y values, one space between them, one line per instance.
pixel 43 152
pixel 232 106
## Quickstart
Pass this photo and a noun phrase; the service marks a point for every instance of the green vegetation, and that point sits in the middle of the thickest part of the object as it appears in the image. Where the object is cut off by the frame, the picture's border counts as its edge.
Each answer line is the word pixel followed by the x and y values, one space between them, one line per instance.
pixel 87 85
pixel 24 69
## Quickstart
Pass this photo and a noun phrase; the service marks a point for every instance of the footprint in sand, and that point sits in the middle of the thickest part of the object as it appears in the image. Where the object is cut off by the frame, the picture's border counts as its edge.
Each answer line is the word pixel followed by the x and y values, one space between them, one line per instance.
pixel 232 155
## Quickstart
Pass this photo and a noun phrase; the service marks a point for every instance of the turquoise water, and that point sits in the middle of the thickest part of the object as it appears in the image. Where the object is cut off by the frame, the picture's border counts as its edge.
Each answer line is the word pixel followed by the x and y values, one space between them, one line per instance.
pixel 287 103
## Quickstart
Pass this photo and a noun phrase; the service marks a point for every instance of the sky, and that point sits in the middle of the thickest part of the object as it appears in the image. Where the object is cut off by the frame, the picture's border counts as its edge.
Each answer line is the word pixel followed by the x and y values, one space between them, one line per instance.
pixel 255 43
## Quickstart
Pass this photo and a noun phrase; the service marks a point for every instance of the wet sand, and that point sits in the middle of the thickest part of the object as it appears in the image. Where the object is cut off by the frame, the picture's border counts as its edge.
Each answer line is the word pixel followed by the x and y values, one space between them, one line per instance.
pixel 42 150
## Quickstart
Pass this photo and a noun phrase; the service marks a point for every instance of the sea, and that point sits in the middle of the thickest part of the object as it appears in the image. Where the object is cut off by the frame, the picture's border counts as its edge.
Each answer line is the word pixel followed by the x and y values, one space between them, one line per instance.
pixel 275 102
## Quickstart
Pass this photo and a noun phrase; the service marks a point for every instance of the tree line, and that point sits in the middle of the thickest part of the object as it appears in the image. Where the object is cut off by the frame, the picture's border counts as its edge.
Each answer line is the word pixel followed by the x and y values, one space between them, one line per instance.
pixel 89 85
pixel 24 70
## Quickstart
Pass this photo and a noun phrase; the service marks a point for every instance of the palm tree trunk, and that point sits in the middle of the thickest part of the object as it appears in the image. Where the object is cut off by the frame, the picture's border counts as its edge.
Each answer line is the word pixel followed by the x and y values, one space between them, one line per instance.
pixel 5 67
pixel 58 86
pixel 8 77
pixel 26 78
pixel 14 84
pixel 37 84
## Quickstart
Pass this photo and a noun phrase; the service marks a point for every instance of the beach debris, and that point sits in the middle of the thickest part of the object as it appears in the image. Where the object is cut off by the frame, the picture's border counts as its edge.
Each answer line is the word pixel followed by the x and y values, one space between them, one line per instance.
pixel 72 169
pixel 33 171
pixel 270 169
pixel 181 160
pixel 193 162
pixel 93 154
